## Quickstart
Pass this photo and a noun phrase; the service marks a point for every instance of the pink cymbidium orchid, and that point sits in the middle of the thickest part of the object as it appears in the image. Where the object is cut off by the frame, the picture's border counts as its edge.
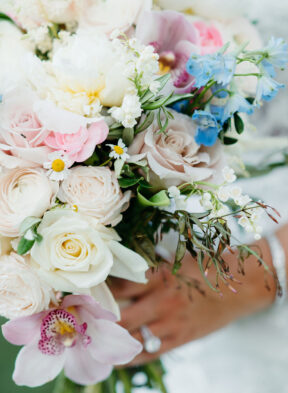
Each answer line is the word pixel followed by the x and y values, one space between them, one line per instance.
pixel 79 336
pixel 174 39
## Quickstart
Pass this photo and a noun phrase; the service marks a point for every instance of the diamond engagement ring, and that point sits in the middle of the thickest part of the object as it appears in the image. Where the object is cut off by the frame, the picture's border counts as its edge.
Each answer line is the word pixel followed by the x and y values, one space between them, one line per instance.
pixel 152 344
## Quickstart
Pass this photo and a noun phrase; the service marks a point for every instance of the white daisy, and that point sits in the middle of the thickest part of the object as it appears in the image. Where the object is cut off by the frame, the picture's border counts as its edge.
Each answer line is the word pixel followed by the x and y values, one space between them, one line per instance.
pixel 57 166
pixel 119 151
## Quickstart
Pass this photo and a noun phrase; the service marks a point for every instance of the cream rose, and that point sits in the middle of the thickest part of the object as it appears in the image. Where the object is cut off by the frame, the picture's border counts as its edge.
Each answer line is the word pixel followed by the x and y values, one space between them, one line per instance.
pixel 22 293
pixel 95 191
pixel 77 253
pixel 23 193
pixel 174 157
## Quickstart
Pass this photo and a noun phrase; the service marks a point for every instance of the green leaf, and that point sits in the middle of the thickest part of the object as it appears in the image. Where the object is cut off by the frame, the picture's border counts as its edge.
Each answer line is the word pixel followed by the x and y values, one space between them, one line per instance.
pixel 145 247
pixel 28 223
pixel 24 246
pixel 146 123
pixel 128 136
pixel 180 253
pixel 200 260
pixel 157 200
pixel 150 106
pixel 6 17
pixel 125 183
pixel 178 97
pixel 239 124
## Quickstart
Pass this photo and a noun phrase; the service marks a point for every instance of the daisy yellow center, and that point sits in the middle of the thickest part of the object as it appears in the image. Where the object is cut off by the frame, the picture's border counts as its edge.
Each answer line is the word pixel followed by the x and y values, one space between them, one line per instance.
pixel 118 150
pixel 58 165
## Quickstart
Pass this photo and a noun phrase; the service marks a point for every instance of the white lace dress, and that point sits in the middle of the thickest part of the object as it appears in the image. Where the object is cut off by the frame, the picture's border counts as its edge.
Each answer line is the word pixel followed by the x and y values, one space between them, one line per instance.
pixel 251 355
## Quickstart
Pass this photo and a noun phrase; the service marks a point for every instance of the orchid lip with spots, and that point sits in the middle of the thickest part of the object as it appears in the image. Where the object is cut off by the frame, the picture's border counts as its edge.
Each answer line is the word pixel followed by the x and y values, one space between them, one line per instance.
pixel 79 336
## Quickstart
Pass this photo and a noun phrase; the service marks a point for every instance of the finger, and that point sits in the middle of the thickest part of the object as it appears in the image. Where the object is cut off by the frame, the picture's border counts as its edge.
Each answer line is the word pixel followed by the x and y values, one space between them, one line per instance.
pixel 159 329
pixel 123 289
pixel 143 312
pixel 144 357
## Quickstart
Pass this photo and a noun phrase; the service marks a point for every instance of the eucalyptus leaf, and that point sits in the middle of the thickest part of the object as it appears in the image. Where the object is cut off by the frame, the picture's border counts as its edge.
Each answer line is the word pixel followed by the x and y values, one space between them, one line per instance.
pixel 178 97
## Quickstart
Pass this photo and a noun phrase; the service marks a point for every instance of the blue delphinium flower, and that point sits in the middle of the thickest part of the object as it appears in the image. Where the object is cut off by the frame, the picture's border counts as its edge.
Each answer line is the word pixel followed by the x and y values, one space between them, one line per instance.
pixel 217 111
pixel 224 68
pixel 236 103
pixel 207 130
pixel 267 88
pixel 201 67
pixel 218 67
pixel 180 106
pixel 277 52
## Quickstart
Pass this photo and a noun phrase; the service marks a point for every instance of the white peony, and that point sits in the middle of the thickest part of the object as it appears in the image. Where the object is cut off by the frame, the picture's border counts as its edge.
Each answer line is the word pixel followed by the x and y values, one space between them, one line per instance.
pixel 23 193
pixel 77 253
pixel 95 191
pixel 12 51
pixel 85 73
pixel 108 15
pixel 210 9
pixel 22 293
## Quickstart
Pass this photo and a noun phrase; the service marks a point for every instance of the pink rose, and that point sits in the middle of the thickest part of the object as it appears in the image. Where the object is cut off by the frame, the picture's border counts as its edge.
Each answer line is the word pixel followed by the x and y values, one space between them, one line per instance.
pixel 21 132
pixel 174 157
pixel 209 36
pixel 80 146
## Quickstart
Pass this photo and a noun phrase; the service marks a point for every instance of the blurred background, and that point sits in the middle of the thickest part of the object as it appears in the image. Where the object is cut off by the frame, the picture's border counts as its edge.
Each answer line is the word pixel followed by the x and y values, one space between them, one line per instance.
pixel 251 355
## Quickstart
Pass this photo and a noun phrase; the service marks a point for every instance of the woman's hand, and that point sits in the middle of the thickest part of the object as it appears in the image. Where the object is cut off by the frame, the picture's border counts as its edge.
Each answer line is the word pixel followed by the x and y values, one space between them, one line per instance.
pixel 164 304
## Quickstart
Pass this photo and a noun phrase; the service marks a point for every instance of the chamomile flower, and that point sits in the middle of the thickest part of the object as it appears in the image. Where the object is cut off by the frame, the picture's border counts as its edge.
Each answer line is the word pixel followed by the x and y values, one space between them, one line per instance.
pixel 57 166
pixel 119 151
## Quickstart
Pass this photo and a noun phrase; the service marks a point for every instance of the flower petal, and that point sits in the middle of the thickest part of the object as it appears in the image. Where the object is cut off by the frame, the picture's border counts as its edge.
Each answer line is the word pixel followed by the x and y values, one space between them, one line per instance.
pixel 89 304
pixel 33 368
pixel 102 294
pixel 22 331
pixel 127 263
pixel 83 369
pixel 111 343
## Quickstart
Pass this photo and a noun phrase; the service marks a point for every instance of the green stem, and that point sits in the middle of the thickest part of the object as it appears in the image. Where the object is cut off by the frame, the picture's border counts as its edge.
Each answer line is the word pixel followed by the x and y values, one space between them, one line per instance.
pixel 252 74
pixel 106 162
pixel 125 379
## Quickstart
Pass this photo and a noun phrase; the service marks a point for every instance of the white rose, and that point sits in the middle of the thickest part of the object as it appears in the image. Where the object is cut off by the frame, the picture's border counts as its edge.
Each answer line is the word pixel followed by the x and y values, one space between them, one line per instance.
pixel 109 15
pixel 22 293
pixel 77 253
pixel 95 192
pixel 23 193
pixel 174 157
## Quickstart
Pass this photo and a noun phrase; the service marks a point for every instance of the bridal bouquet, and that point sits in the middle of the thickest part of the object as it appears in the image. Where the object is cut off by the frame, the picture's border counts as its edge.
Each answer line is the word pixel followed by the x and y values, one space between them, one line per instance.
pixel 116 120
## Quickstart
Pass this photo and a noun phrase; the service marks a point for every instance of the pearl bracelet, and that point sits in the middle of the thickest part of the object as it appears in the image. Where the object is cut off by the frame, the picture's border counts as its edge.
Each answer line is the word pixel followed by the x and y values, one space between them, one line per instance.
pixel 279 262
